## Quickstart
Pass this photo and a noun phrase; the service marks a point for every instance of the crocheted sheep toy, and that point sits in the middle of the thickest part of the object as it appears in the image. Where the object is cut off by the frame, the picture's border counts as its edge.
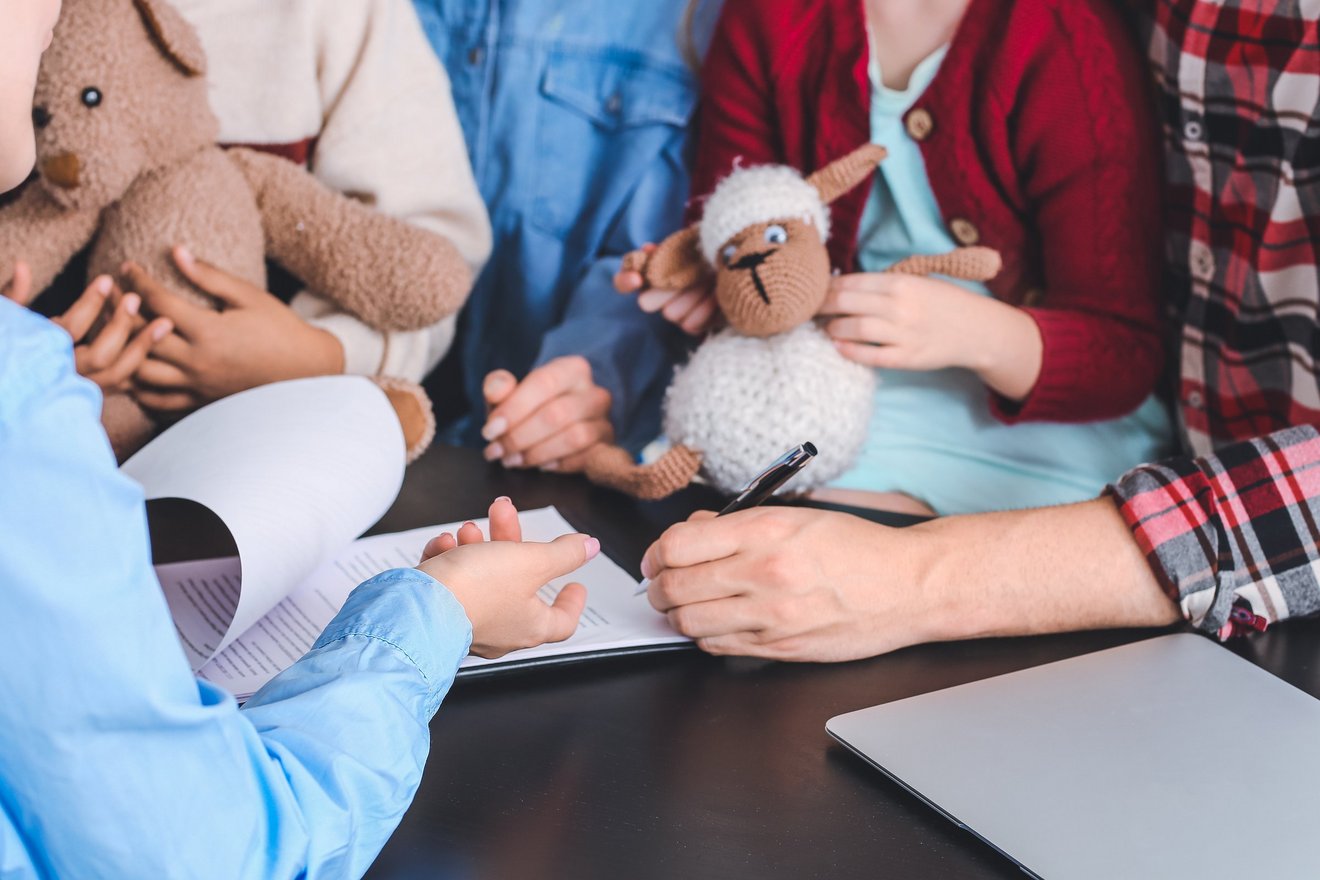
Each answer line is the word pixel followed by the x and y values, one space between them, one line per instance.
pixel 773 379
pixel 127 159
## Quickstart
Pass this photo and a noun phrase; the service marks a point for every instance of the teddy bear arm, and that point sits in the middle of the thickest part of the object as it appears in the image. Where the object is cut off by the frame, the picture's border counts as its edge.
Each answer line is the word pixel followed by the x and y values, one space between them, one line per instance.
pixel 389 274
pixel 46 237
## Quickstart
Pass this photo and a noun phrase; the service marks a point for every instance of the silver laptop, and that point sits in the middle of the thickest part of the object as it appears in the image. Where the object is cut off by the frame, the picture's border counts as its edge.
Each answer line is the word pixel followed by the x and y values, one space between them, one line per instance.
pixel 1167 758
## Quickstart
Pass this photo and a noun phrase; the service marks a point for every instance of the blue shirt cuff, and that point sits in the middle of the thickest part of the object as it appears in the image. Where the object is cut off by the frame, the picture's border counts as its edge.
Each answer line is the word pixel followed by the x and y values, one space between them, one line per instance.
pixel 417 616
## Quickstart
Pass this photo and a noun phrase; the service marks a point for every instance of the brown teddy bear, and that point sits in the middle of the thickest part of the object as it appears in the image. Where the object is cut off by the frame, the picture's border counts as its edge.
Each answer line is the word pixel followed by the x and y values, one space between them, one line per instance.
pixel 773 379
pixel 127 161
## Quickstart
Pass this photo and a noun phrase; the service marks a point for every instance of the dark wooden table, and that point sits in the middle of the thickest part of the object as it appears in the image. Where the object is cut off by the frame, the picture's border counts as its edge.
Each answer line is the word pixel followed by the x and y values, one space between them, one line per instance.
pixel 687 766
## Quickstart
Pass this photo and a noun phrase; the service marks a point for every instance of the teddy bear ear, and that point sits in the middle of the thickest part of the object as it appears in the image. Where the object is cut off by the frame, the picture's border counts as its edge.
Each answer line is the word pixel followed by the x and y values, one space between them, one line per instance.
pixel 174 36
pixel 677 262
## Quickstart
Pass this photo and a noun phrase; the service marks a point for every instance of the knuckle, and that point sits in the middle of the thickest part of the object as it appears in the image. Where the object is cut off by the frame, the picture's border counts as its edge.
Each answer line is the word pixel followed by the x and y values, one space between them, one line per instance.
pixel 782 569
pixel 681 619
pixel 579 435
pixel 576 365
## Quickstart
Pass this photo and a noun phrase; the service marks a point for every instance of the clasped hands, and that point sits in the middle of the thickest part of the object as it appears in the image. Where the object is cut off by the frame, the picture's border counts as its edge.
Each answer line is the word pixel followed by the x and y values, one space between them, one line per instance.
pixel 185 355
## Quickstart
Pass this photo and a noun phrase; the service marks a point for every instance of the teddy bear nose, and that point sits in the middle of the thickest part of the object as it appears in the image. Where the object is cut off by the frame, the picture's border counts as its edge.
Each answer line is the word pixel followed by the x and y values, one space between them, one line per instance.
pixel 63 170
pixel 41 117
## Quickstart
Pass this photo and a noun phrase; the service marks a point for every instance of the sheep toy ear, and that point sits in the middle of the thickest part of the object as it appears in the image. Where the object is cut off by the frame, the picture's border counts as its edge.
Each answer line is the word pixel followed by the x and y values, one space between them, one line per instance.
pixel 677 263
pixel 842 175
pixel 174 36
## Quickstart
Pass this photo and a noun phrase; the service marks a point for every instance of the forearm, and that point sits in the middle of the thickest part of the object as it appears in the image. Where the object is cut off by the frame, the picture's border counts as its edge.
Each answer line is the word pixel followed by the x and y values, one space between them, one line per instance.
pixel 1034 571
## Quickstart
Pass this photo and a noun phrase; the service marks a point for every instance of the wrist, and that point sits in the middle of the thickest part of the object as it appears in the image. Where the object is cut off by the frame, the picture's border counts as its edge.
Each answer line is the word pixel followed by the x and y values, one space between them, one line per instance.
pixel 1009 350
pixel 328 358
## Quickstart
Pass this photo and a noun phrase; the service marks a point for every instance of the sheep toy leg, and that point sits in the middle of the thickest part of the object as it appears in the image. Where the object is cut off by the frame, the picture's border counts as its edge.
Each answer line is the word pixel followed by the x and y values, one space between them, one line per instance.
pixel 613 467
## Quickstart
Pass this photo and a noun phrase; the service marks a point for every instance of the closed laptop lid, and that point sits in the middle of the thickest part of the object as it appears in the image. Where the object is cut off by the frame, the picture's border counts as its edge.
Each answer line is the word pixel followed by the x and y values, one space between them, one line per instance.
pixel 1168 758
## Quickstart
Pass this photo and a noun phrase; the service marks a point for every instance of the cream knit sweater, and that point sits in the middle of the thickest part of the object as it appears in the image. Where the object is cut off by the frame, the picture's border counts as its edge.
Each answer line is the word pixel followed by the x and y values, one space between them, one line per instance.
pixel 358 78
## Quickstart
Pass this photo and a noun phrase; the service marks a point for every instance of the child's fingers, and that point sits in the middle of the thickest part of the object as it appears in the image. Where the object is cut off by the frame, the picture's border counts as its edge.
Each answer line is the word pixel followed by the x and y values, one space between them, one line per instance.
pixel 162 374
pixel 678 308
pixel 629 281
pixel 188 317
pixel 468 533
pixel 19 288
pixel 876 331
pixel 699 320
pixel 80 316
pixel 504 523
pixel 441 543
pixel 109 344
pixel 651 301
pixel 166 401
pixel 561 618
pixel 883 357
pixel 563 555
pixel 134 355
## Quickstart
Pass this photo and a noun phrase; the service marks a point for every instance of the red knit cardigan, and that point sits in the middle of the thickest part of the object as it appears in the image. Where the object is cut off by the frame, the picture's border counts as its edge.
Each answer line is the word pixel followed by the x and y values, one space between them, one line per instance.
pixel 1038 139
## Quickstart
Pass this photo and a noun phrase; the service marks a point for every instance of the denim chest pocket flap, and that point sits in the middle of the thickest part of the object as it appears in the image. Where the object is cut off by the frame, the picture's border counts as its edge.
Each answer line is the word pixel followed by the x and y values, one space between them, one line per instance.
pixel 605 116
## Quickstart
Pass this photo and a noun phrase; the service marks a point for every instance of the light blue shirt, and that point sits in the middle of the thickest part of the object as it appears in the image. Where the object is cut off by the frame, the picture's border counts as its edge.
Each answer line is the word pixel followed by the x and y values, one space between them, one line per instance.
pixel 114 760
pixel 576 118
pixel 932 435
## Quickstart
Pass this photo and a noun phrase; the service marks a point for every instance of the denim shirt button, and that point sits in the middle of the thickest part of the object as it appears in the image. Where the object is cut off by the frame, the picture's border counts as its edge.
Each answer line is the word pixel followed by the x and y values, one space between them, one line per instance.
pixel 476 55
pixel 614 104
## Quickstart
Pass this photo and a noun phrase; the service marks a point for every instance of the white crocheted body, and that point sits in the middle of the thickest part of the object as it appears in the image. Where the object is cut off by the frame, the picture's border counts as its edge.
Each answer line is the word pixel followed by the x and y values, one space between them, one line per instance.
pixel 742 402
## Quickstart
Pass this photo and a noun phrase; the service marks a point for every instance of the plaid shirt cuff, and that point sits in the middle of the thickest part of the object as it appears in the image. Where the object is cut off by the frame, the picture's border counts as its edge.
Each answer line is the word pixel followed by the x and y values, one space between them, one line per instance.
pixel 1239 528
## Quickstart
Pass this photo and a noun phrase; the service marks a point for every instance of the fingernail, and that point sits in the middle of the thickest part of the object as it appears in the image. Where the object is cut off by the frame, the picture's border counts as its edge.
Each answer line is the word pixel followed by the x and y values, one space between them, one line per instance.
pixel 132 303
pixel 162 330
pixel 493 452
pixel 185 255
pixel 648 569
pixel 103 285
pixel 505 498
pixel 593 548
pixel 514 461
pixel 550 466
pixel 495 428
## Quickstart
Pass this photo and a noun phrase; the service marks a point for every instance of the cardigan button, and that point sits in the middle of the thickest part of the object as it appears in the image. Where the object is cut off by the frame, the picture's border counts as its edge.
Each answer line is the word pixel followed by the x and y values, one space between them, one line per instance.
pixel 964 232
pixel 920 124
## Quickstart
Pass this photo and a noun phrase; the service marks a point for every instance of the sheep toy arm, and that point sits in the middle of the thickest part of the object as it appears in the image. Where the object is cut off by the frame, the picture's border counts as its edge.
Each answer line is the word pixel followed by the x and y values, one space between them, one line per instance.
pixel 387 273
pixel 40 233
pixel 675 264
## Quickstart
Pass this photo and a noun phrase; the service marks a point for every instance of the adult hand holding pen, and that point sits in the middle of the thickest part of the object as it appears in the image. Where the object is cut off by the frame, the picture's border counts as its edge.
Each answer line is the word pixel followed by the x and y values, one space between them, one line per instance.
pixel 804 584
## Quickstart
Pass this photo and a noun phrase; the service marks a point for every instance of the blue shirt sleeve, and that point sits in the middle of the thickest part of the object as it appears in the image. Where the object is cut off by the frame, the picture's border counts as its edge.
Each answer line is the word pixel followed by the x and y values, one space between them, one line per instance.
pixel 114 759
pixel 631 352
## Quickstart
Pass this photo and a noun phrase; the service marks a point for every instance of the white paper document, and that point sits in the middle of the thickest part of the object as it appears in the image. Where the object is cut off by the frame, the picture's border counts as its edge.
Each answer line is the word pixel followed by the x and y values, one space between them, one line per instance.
pixel 616 618
pixel 295 471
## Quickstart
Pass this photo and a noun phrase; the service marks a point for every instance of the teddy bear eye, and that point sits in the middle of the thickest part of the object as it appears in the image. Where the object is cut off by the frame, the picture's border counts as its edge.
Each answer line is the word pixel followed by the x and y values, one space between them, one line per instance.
pixel 776 234
pixel 91 96
pixel 729 252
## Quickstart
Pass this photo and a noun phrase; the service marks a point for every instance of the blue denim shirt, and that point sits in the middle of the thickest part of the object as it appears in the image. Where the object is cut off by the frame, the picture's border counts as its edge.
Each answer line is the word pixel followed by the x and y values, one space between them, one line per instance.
pixel 576 118
pixel 114 760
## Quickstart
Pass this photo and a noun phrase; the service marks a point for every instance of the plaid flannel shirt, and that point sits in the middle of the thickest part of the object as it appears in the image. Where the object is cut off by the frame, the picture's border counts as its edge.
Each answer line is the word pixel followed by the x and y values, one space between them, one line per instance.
pixel 1233 530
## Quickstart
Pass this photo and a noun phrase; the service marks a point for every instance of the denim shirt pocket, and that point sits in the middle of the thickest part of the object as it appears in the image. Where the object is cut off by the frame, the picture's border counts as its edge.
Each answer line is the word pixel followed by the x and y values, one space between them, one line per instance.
pixel 605 115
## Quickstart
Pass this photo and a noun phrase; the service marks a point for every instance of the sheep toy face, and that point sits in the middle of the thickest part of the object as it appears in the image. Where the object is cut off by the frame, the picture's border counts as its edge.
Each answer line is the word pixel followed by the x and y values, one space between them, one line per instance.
pixel 119 94
pixel 771 277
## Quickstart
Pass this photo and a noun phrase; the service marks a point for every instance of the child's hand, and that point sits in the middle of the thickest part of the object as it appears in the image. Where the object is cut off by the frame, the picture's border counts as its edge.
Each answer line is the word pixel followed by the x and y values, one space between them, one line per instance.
pixel 907 322
pixel 256 340
pixel 497 582
pixel 693 309
pixel 122 344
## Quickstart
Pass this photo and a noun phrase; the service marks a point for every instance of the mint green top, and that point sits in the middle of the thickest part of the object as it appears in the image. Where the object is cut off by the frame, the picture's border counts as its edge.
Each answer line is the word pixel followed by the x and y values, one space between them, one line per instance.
pixel 932 435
